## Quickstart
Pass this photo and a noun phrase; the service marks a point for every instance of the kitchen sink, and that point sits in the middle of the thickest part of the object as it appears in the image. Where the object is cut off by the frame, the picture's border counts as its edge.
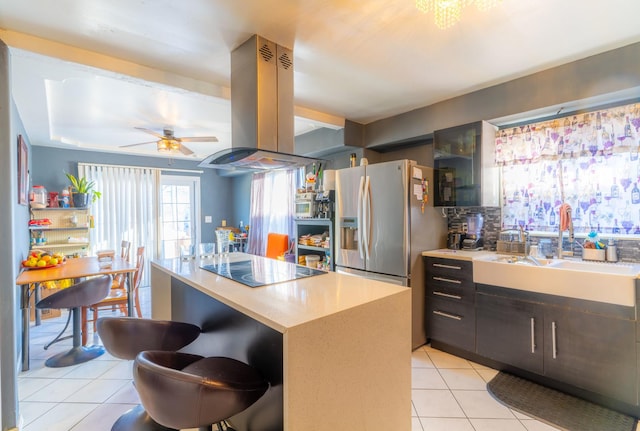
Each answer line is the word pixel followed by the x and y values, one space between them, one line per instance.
pixel 520 260
pixel 612 283
pixel 604 267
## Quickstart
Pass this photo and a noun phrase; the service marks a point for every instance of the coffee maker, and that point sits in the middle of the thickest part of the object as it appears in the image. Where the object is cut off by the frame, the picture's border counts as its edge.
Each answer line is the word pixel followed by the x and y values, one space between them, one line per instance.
pixel 324 204
pixel 473 238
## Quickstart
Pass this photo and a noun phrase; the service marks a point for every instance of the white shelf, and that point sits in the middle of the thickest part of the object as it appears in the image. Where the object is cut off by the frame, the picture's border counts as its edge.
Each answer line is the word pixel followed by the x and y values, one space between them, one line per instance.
pixel 60 245
pixel 61 229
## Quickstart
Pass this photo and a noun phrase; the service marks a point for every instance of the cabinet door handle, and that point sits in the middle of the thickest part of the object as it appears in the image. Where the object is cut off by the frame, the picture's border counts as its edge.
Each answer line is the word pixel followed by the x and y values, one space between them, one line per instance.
pixel 442 265
pixel 554 342
pixel 447 280
pixel 447 315
pixel 447 295
pixel 533 335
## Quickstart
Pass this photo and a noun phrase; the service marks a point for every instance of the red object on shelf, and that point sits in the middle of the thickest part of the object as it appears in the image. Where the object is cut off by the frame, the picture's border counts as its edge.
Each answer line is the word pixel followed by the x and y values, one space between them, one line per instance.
pixel 40 222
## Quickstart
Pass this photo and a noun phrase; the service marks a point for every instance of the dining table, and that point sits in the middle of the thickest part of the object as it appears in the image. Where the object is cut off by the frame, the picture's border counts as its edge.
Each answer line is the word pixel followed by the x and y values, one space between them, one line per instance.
pixel 75 269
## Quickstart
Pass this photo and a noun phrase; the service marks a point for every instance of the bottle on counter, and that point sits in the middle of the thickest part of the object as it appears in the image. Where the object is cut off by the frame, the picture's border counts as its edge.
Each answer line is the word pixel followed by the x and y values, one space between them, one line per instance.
pixel 612 251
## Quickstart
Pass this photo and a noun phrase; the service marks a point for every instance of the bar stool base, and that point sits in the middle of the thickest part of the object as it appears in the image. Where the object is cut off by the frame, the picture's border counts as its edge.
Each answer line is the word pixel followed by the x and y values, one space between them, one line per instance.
pixel 138 419
pixel 77 355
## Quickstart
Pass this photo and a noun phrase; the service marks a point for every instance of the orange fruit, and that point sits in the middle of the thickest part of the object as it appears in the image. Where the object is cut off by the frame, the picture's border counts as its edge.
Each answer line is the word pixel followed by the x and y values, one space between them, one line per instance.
pixel 46 258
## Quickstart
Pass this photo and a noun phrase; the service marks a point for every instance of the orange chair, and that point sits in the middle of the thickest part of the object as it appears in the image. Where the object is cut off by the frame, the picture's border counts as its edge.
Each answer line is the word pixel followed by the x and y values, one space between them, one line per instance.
pixel 277 244
pixel 117 297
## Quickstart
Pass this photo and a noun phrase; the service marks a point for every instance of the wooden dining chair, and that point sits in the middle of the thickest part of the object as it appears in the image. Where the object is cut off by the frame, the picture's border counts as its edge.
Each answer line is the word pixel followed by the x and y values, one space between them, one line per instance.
pixel 125 250
pixel 118 297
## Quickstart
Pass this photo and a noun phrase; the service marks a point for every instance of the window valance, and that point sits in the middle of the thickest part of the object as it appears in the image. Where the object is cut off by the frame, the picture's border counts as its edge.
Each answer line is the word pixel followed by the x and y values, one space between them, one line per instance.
pixel 600 133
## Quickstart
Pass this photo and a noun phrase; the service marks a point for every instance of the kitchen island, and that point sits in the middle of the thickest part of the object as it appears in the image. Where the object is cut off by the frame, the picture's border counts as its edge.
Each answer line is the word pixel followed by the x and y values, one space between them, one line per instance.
pixel 335 348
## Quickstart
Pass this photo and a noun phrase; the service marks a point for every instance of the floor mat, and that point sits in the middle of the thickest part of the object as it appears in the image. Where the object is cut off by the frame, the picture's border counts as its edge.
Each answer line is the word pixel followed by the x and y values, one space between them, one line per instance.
pixel 556 408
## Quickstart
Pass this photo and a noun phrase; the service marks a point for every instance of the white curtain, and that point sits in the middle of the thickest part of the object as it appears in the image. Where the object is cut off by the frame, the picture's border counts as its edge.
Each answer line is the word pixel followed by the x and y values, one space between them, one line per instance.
pixel 272 207
pixel 127 210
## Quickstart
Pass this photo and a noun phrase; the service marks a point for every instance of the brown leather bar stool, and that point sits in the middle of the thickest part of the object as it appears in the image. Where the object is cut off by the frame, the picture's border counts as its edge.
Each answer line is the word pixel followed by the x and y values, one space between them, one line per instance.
pixel 125 337
pixel 74 298
pixel 181 390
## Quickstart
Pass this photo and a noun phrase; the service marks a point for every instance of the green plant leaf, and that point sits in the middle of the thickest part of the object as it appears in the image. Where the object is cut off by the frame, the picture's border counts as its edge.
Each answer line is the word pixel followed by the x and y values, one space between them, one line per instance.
pixel 83 185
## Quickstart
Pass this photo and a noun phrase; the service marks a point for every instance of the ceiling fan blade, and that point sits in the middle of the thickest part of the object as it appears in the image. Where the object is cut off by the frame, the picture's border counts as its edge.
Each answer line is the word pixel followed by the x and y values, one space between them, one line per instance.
pixel 151 132
pixel 184 150
pixel 198 139
pixel 140 143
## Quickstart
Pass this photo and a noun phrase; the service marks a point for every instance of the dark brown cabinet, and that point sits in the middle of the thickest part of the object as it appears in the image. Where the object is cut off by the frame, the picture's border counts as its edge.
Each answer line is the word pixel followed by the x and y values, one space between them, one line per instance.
pixel 465 172
pixel 450 302
pixel 591 351
pixel 510 331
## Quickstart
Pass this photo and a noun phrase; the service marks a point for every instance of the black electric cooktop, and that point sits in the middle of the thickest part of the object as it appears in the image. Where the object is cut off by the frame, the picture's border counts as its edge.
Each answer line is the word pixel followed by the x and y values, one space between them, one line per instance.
pixel 256 273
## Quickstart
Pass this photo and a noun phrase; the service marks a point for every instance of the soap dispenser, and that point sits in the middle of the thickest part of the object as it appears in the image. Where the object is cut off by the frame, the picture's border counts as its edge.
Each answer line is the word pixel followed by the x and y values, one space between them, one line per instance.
pixel 612 252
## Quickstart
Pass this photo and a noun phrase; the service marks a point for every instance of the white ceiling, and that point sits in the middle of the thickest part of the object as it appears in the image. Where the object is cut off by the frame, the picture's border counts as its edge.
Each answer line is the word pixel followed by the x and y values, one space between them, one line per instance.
pixel 86 72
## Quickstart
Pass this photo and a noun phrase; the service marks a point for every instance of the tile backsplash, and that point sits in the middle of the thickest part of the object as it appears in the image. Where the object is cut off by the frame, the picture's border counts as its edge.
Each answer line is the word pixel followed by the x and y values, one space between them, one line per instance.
pixel 456 217
pixel 628 248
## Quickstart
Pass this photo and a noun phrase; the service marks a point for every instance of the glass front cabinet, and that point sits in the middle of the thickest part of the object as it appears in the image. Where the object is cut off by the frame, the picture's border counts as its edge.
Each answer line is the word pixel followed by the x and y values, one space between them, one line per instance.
pixel 464 164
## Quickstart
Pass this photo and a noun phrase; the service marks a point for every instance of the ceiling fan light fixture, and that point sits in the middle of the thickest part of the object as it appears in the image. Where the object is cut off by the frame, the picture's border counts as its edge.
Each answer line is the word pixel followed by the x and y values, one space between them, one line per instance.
pixel 163 145
pixel 168 146
pixel 174 145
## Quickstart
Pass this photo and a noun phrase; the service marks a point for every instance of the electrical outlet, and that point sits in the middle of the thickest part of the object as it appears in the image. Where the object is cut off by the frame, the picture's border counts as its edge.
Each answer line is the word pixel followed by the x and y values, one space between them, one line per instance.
pixel 208 219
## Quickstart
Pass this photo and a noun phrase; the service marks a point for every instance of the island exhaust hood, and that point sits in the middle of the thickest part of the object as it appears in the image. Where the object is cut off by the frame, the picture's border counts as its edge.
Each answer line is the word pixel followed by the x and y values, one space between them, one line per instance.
pixel 262 136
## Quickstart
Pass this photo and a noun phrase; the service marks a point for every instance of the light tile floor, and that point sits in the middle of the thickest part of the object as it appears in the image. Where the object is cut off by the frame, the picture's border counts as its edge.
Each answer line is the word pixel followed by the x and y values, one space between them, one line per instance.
pixel 448 392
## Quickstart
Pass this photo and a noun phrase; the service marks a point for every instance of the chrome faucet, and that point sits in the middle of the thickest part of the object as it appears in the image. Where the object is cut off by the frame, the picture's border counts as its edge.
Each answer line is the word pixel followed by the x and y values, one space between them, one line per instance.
pixel 535 261
pixel 561 251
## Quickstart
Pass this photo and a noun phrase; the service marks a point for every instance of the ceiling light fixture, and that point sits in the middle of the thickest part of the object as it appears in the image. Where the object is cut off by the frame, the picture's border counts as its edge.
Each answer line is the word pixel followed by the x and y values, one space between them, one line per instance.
pixel 168 145
pixel 447 12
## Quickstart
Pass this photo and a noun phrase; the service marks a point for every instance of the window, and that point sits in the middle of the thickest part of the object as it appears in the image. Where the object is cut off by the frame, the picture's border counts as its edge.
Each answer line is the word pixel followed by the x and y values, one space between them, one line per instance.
pixel 588 160
pixel 272 206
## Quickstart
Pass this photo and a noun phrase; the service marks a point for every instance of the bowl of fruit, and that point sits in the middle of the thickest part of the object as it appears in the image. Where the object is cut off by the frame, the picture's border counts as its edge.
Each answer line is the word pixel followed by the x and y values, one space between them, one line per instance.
pixel 41 259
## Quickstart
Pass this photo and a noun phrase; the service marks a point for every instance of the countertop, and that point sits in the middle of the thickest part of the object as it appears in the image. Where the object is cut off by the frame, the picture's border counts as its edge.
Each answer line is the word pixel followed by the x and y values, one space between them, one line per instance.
pixel 285 305
pixel 606 282
pixel 457 254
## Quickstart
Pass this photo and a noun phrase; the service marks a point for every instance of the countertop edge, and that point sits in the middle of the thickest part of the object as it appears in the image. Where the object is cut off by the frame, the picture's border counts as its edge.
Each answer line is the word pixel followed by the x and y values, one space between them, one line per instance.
pixel 265 304
pixel 468 255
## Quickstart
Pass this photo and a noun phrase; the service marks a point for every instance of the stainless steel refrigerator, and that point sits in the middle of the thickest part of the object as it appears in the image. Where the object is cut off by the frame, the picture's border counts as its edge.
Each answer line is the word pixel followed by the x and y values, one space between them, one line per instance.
pixel 385 218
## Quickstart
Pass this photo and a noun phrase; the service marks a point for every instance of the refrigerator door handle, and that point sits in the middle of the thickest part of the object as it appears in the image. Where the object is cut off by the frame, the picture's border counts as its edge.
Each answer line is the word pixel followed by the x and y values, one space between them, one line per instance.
pixel 359 222
pixel 366 210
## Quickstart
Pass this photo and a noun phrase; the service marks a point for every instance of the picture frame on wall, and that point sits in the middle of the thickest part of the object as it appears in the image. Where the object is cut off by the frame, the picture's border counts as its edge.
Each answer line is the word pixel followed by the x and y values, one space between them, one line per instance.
pixel 23 171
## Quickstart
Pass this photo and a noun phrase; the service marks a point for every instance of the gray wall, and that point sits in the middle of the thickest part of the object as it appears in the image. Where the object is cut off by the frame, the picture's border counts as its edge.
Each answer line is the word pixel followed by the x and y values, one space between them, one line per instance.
pixel 14 237
pixel 217 192
pixel 241 194
pixel 590 78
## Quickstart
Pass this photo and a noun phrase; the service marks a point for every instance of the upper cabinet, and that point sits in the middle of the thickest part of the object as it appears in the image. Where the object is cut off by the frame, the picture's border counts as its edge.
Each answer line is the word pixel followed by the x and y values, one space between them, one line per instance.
pixel 464 162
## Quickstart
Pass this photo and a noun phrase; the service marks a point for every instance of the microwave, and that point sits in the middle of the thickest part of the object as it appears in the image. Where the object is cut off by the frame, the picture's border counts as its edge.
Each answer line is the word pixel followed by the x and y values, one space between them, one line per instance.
pixel 305 204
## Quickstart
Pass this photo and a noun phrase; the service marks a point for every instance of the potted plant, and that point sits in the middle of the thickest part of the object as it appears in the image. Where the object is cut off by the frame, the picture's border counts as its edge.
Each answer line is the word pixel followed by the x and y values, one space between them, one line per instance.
pixel 82 189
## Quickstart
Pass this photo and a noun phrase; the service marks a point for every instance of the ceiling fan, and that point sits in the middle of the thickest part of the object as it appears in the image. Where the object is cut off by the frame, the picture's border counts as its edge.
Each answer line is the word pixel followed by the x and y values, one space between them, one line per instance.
pixel 168 142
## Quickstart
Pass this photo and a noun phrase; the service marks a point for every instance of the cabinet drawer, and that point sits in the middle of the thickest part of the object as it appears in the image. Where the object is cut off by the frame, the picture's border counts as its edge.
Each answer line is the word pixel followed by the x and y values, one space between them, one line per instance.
pixel 449 268
pixel 464 292
pixel 452 323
